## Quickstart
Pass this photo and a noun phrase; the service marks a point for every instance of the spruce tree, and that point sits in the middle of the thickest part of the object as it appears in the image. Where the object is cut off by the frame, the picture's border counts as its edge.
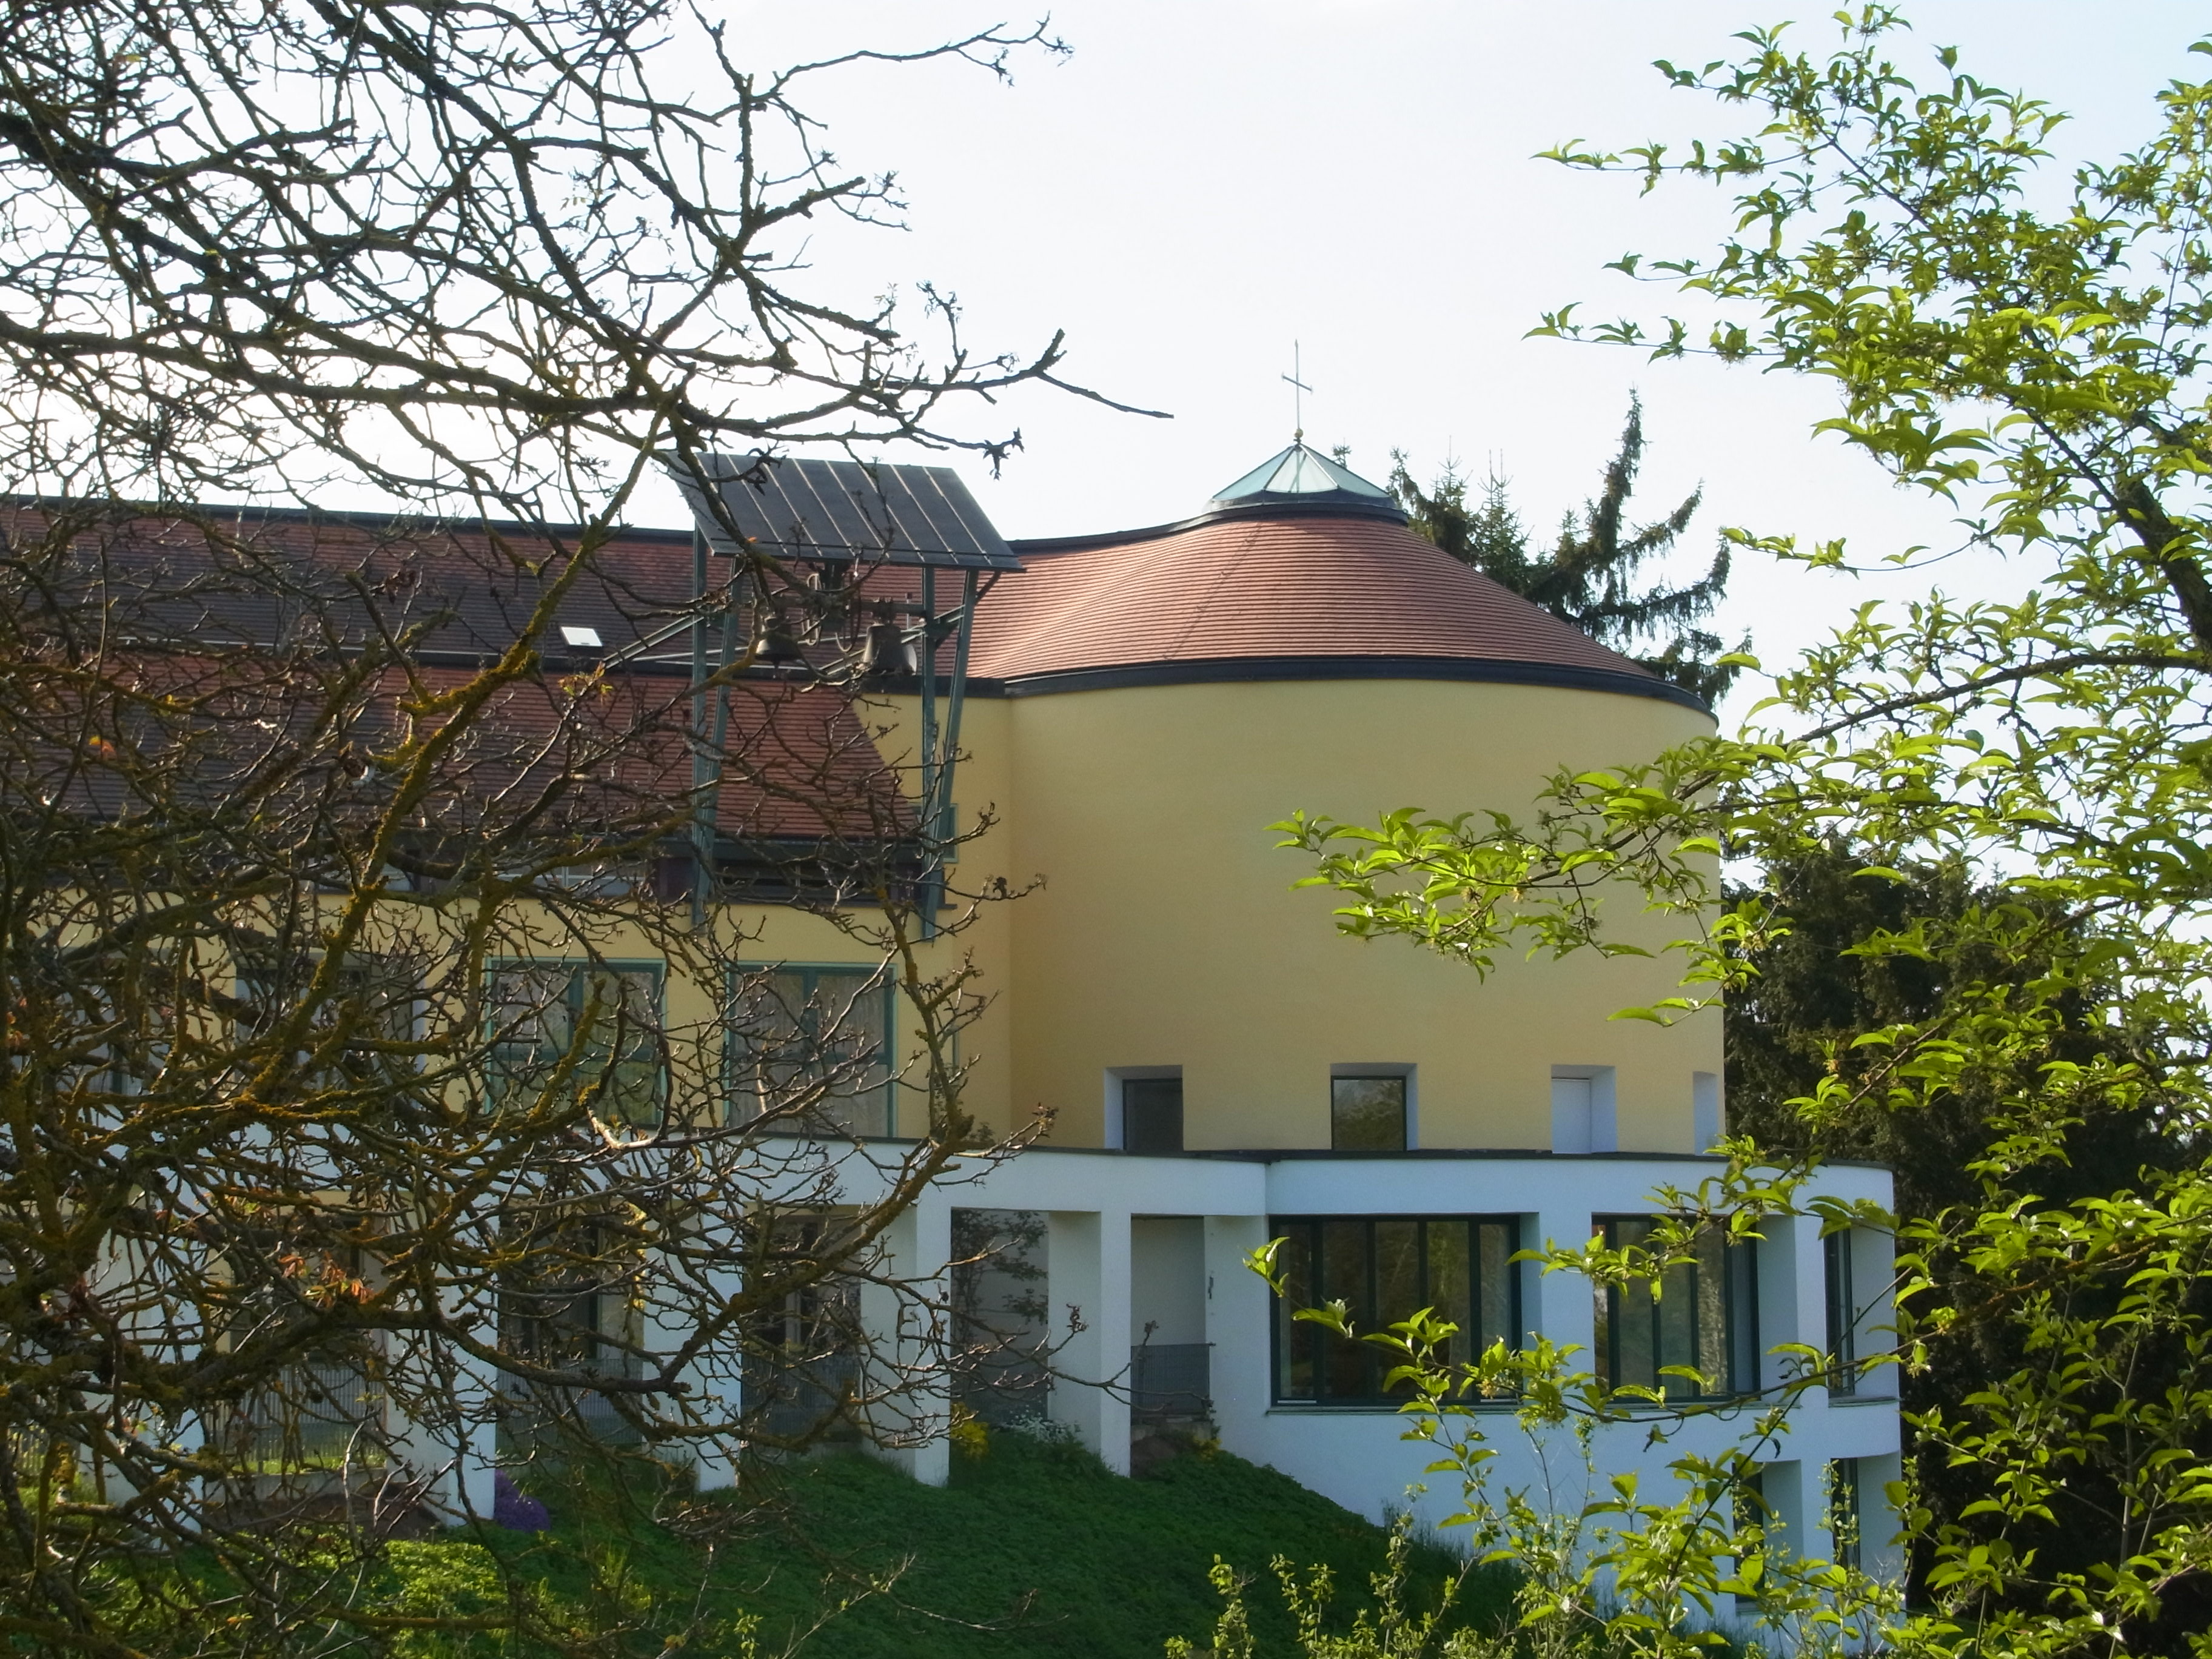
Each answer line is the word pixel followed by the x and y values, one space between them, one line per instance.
pixel 1589 577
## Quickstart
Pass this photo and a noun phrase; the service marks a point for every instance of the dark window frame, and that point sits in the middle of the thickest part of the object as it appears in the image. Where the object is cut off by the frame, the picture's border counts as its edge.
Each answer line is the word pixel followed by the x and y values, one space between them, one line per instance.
pixel 1287 1335
pixel 1736 1373
pixel 1842 1311
pixel 1403 1079
pixel 1181 1120
pixel 1846 1513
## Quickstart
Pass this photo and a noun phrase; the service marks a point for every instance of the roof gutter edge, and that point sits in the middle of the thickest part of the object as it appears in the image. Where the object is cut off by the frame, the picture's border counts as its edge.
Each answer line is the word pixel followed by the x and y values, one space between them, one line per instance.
pixel 1216 670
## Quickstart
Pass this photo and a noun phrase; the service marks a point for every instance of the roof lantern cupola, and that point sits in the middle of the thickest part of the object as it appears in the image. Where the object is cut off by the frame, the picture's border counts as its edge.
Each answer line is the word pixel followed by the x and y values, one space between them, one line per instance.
pixel 1302 480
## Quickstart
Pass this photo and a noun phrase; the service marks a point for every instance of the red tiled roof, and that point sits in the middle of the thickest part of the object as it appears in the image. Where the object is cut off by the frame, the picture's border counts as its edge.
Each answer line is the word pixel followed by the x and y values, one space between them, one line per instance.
pixel 1300 585
pixel 252 629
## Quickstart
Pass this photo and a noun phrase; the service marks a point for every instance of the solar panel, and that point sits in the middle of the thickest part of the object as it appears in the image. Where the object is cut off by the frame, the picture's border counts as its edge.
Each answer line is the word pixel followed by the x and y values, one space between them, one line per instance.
pixel 879 511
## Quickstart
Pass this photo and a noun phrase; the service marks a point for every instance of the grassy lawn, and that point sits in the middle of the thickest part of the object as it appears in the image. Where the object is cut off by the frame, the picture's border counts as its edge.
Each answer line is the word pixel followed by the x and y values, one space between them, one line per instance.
pixel 1032 1550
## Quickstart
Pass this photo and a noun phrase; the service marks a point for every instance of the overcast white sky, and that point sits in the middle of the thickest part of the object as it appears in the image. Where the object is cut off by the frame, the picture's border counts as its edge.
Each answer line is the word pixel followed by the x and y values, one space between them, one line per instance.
pixel 1203 181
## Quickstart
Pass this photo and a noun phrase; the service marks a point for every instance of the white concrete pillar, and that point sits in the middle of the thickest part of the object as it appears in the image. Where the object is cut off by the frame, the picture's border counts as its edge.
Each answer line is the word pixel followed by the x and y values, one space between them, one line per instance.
pixel 1792 1299
pixel 721 1389
pixel 1880 1554
pixel 910 1323
pixel 458 1459
pixel 1239 1311
pixel 1797 1507
pixel 1087 1278
pixel 1558 1305
pixel 475 1443
pixel 713 1395
pixel 1874 1272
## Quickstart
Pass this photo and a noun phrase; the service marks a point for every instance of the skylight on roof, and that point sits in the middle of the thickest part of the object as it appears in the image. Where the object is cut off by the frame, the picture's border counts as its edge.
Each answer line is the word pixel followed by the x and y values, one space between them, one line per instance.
pixel 1301 472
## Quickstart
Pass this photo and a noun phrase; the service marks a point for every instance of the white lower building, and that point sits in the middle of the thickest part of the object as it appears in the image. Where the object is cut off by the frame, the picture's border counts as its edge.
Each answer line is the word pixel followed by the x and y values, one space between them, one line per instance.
pixel 1145 1257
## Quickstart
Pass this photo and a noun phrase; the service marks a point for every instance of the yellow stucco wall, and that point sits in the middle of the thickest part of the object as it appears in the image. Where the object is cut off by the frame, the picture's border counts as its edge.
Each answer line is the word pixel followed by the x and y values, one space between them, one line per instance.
pixel 983 792
pixel 1165 933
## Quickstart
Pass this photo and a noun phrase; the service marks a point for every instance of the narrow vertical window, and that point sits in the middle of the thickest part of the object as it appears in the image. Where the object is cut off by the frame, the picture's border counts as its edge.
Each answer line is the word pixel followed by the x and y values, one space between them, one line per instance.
pixel 1297 1342
pixel 1752 1511
pixel 1843 1515
pixel 1151 1115
pixel 1740 1338
pixel 1842 1315
pixel 1367 1114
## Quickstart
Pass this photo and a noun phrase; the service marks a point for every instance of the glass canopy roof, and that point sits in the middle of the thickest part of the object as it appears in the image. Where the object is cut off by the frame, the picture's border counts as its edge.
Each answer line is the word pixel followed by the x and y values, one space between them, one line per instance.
pixel 1300 471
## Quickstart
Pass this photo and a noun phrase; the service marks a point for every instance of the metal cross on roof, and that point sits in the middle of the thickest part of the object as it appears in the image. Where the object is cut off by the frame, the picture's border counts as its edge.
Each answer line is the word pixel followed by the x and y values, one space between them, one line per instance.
pixel 1297 397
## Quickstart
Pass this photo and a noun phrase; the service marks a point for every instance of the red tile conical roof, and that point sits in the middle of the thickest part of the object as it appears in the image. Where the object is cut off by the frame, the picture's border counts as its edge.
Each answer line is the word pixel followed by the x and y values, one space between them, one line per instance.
pixel 1297 595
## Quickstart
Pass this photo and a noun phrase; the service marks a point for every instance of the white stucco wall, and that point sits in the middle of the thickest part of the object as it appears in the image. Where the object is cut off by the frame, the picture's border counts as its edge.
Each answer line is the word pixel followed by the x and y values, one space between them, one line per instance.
pixel 1106 1261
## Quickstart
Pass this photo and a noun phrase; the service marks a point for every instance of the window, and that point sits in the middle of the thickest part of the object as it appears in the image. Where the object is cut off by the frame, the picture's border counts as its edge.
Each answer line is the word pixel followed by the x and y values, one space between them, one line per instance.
pixel 1152 1114
pixel 319 1407
pixel 1843 1511
pixel 1842 1315
pixel 359 1030
pixel 814 1044
pixel 602 1019
pixel 1367 1114
pixel 1385 1268
pixel 1751 1513
pixel 802 1351
pixel 569 1300
pixel 1705 1318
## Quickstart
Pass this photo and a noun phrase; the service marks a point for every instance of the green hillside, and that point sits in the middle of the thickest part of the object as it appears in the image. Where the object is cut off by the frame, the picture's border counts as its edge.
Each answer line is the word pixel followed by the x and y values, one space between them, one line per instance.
pixel 1032 1550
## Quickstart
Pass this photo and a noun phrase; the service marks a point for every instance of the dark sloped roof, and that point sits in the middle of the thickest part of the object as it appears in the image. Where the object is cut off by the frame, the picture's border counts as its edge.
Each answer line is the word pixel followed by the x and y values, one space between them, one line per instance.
pixel 881 512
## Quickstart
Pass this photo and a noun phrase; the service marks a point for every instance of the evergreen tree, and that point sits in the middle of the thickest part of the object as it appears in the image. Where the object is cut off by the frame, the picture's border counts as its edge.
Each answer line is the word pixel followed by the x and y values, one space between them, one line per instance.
pixel 1589 577
pixel 1867 953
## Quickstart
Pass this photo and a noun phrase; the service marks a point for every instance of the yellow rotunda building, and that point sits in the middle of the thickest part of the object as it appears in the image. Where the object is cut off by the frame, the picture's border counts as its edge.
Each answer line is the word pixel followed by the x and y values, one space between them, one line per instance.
pixel 1219 1067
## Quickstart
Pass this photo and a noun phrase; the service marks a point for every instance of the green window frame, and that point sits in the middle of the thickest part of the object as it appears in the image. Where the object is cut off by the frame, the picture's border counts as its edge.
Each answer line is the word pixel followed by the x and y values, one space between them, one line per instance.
pixel 828 1028
pixel 1385 1268
pixel 1705 1317
pixel 538 1010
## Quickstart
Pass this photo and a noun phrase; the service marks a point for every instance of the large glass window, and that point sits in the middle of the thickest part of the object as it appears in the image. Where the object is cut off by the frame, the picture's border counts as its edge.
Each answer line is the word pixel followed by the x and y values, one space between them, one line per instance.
pixel 1152 1114
pixel 1842 1315
pixel 1367 1114
pixel 1705 1318
pixel 814 1044
pixel 802 1351
pixel 1386 1269
pixel 601 1019
pixel 569 1302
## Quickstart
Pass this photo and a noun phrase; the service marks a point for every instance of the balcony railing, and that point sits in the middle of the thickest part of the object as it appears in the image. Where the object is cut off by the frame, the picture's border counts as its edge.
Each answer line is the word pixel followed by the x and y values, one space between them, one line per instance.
pixel 1170 1381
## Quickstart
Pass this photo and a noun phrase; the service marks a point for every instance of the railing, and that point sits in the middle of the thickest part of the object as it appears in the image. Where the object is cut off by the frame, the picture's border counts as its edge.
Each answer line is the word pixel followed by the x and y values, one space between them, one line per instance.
pixel 797 1399
pixel 322 1414
pixel 1170 1380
